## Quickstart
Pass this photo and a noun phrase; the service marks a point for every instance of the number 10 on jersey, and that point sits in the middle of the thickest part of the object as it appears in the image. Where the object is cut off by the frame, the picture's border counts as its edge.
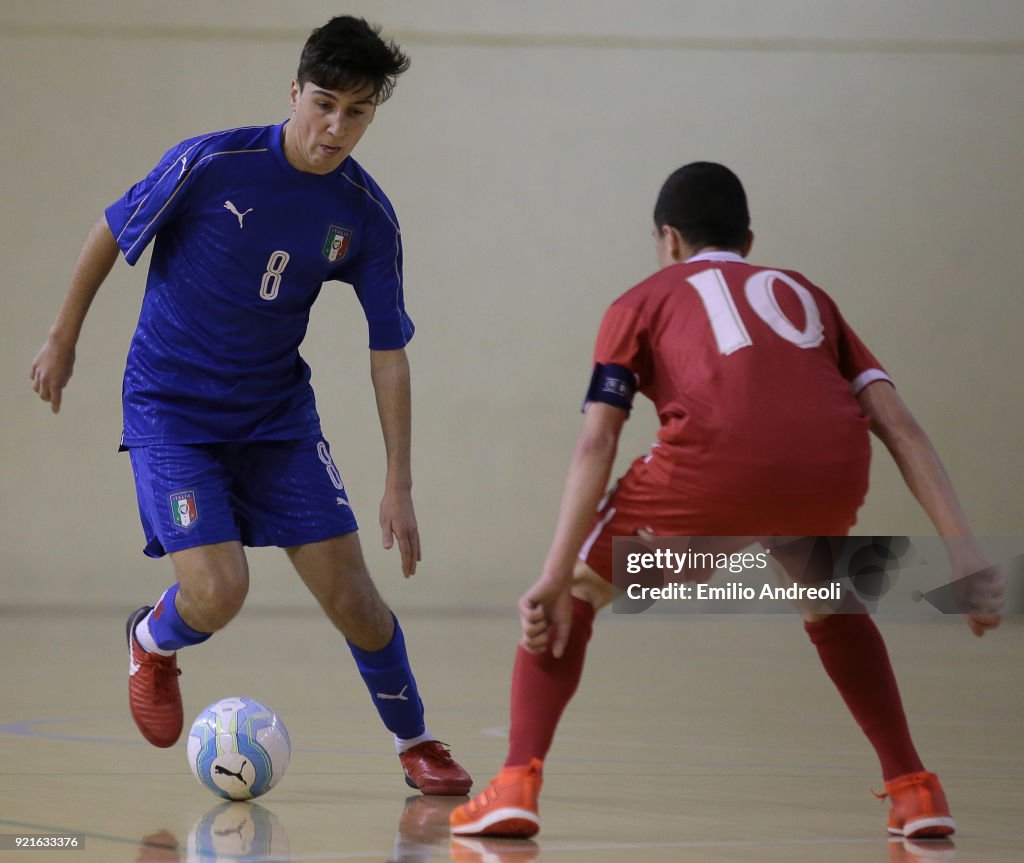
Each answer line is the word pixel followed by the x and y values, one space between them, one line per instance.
pixel 727 325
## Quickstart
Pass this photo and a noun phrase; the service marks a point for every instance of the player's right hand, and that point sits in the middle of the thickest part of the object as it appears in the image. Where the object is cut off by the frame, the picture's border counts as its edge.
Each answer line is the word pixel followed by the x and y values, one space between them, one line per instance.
pixel 545 614
pixel 983 600
pixel 51 370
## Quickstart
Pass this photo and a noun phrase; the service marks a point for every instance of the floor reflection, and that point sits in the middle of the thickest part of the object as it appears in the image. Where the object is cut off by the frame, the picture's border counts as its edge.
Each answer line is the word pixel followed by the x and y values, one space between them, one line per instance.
pixel 241 832
pixel 423 827
pixel 921 850
pixel 481 849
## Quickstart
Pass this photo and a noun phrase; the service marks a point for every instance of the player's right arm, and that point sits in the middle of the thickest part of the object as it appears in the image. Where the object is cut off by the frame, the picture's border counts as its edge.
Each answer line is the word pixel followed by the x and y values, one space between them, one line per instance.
pixel 620 360
pixel 545 611
pixel 127 226
pixel 922 470
pixel 53 365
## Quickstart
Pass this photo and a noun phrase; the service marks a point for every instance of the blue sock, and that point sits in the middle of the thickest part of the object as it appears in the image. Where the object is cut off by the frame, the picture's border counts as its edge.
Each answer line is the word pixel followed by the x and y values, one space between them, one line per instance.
pixel 388 676
pixel 167 628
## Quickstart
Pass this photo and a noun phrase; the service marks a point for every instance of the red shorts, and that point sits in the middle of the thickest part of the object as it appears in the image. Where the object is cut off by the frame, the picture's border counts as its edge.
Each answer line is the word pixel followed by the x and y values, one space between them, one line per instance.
pixel 651 499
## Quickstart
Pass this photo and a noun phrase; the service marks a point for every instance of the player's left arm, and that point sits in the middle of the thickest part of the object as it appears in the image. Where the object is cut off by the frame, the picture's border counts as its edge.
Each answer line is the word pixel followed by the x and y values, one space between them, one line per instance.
pixel 925 476
pixel 389 373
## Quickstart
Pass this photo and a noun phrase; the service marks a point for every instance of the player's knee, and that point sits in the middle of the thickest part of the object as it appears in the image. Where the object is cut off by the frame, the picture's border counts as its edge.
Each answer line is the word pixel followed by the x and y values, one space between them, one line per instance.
pixel 356 608
pixel 215 599
pixel 590 587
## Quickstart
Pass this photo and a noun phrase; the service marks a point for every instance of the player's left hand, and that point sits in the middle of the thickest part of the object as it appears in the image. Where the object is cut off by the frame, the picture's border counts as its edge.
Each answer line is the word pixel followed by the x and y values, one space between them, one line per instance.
pixel 545 615
pixel 398 522
pixel 979 588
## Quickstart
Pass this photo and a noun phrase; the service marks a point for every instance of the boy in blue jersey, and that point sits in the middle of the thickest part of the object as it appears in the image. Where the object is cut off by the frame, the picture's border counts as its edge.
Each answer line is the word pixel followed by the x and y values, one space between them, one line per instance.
pixel 220 421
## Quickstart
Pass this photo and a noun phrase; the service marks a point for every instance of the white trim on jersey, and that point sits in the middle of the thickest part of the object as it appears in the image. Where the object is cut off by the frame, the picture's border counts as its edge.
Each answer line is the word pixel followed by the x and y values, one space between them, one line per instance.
pixel 398 233
pixel 650 455
pixel 181 158
pixel 868 377
pixel 369 195
pixel 185 169
pixel 180 183
pixel 590 540
pixel 724 257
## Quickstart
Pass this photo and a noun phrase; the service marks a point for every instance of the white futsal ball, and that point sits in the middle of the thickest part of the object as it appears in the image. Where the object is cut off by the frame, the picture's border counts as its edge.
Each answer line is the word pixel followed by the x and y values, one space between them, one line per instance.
pixel 238 748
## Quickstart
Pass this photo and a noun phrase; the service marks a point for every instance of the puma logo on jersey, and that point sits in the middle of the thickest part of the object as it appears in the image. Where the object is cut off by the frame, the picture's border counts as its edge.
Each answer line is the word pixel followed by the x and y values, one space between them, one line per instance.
pixel 231 207
pixel 184 164
pixel 383 696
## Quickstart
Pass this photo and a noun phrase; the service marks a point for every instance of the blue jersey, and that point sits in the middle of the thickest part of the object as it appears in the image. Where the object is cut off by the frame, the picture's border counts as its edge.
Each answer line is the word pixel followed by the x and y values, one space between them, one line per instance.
pixel 243 245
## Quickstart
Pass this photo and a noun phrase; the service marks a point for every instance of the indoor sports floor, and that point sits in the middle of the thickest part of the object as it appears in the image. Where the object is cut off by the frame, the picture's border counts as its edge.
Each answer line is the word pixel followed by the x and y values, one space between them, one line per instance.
pixel 691 739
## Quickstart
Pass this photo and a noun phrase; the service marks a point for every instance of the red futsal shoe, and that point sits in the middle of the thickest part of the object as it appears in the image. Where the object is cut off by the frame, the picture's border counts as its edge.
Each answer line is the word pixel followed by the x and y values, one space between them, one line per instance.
pixel 153 691
pixel 506 807
pixel 430 768
pixel 919 808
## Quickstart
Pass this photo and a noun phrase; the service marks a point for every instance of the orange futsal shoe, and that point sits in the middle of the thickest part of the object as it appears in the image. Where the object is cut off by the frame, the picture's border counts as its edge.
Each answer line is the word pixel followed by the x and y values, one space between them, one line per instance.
pixel 919 808
pixel 430 768
pixel 153 691
pixel 506 807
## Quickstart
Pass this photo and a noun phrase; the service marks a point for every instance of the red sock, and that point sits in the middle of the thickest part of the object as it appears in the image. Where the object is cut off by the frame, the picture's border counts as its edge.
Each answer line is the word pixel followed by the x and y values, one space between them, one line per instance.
pixel 854 655
pixel 542 686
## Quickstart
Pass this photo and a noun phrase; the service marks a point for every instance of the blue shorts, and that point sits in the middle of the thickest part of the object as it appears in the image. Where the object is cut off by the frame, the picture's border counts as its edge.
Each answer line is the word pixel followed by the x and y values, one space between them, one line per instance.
pixel 281 493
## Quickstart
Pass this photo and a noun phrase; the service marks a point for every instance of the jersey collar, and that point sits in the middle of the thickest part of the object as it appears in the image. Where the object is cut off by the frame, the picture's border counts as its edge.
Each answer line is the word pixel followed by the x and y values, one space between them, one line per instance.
pixel 294 174
pixel 716 255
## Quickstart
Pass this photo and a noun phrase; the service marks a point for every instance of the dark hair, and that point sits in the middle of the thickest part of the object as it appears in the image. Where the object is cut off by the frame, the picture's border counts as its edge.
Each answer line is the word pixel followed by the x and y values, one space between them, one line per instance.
pixel 706 203
pixel 348 53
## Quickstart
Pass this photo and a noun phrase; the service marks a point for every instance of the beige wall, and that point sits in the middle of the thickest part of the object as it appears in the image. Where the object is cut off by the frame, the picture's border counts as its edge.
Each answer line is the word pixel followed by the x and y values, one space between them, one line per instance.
pixel 880 144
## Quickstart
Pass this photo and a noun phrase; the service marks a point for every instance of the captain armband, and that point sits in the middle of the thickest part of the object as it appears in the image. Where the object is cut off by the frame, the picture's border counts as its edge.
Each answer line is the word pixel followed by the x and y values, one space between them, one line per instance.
pixel 613 385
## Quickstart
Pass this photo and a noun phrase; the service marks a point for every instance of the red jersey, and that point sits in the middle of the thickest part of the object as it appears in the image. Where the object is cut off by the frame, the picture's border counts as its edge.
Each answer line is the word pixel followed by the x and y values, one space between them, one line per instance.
pixel 754 375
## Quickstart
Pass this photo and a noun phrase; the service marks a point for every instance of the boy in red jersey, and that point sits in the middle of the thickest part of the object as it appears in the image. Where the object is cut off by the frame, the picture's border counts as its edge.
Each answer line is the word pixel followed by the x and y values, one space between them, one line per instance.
pixel 765 397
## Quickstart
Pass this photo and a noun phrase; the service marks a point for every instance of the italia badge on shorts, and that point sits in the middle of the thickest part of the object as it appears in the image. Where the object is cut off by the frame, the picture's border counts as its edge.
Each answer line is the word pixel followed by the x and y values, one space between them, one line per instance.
pixel 336 243
pixel 183 509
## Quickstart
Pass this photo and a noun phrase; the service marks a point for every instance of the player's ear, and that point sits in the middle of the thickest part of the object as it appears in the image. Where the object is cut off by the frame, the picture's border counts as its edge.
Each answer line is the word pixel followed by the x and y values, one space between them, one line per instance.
pixel 748 244
pixel 296 90
pixel 677 247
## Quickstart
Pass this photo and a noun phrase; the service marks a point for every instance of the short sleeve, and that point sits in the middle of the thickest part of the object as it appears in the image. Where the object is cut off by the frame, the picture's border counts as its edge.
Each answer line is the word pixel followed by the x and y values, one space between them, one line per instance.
pixel 377 278
pixel 622 341
pixel 856 362
pixel 137 216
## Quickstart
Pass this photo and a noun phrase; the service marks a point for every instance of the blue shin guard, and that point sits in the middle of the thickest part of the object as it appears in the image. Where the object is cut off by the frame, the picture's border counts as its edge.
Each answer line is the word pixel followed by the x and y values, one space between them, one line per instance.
pixel 392 686
pixel 169 631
